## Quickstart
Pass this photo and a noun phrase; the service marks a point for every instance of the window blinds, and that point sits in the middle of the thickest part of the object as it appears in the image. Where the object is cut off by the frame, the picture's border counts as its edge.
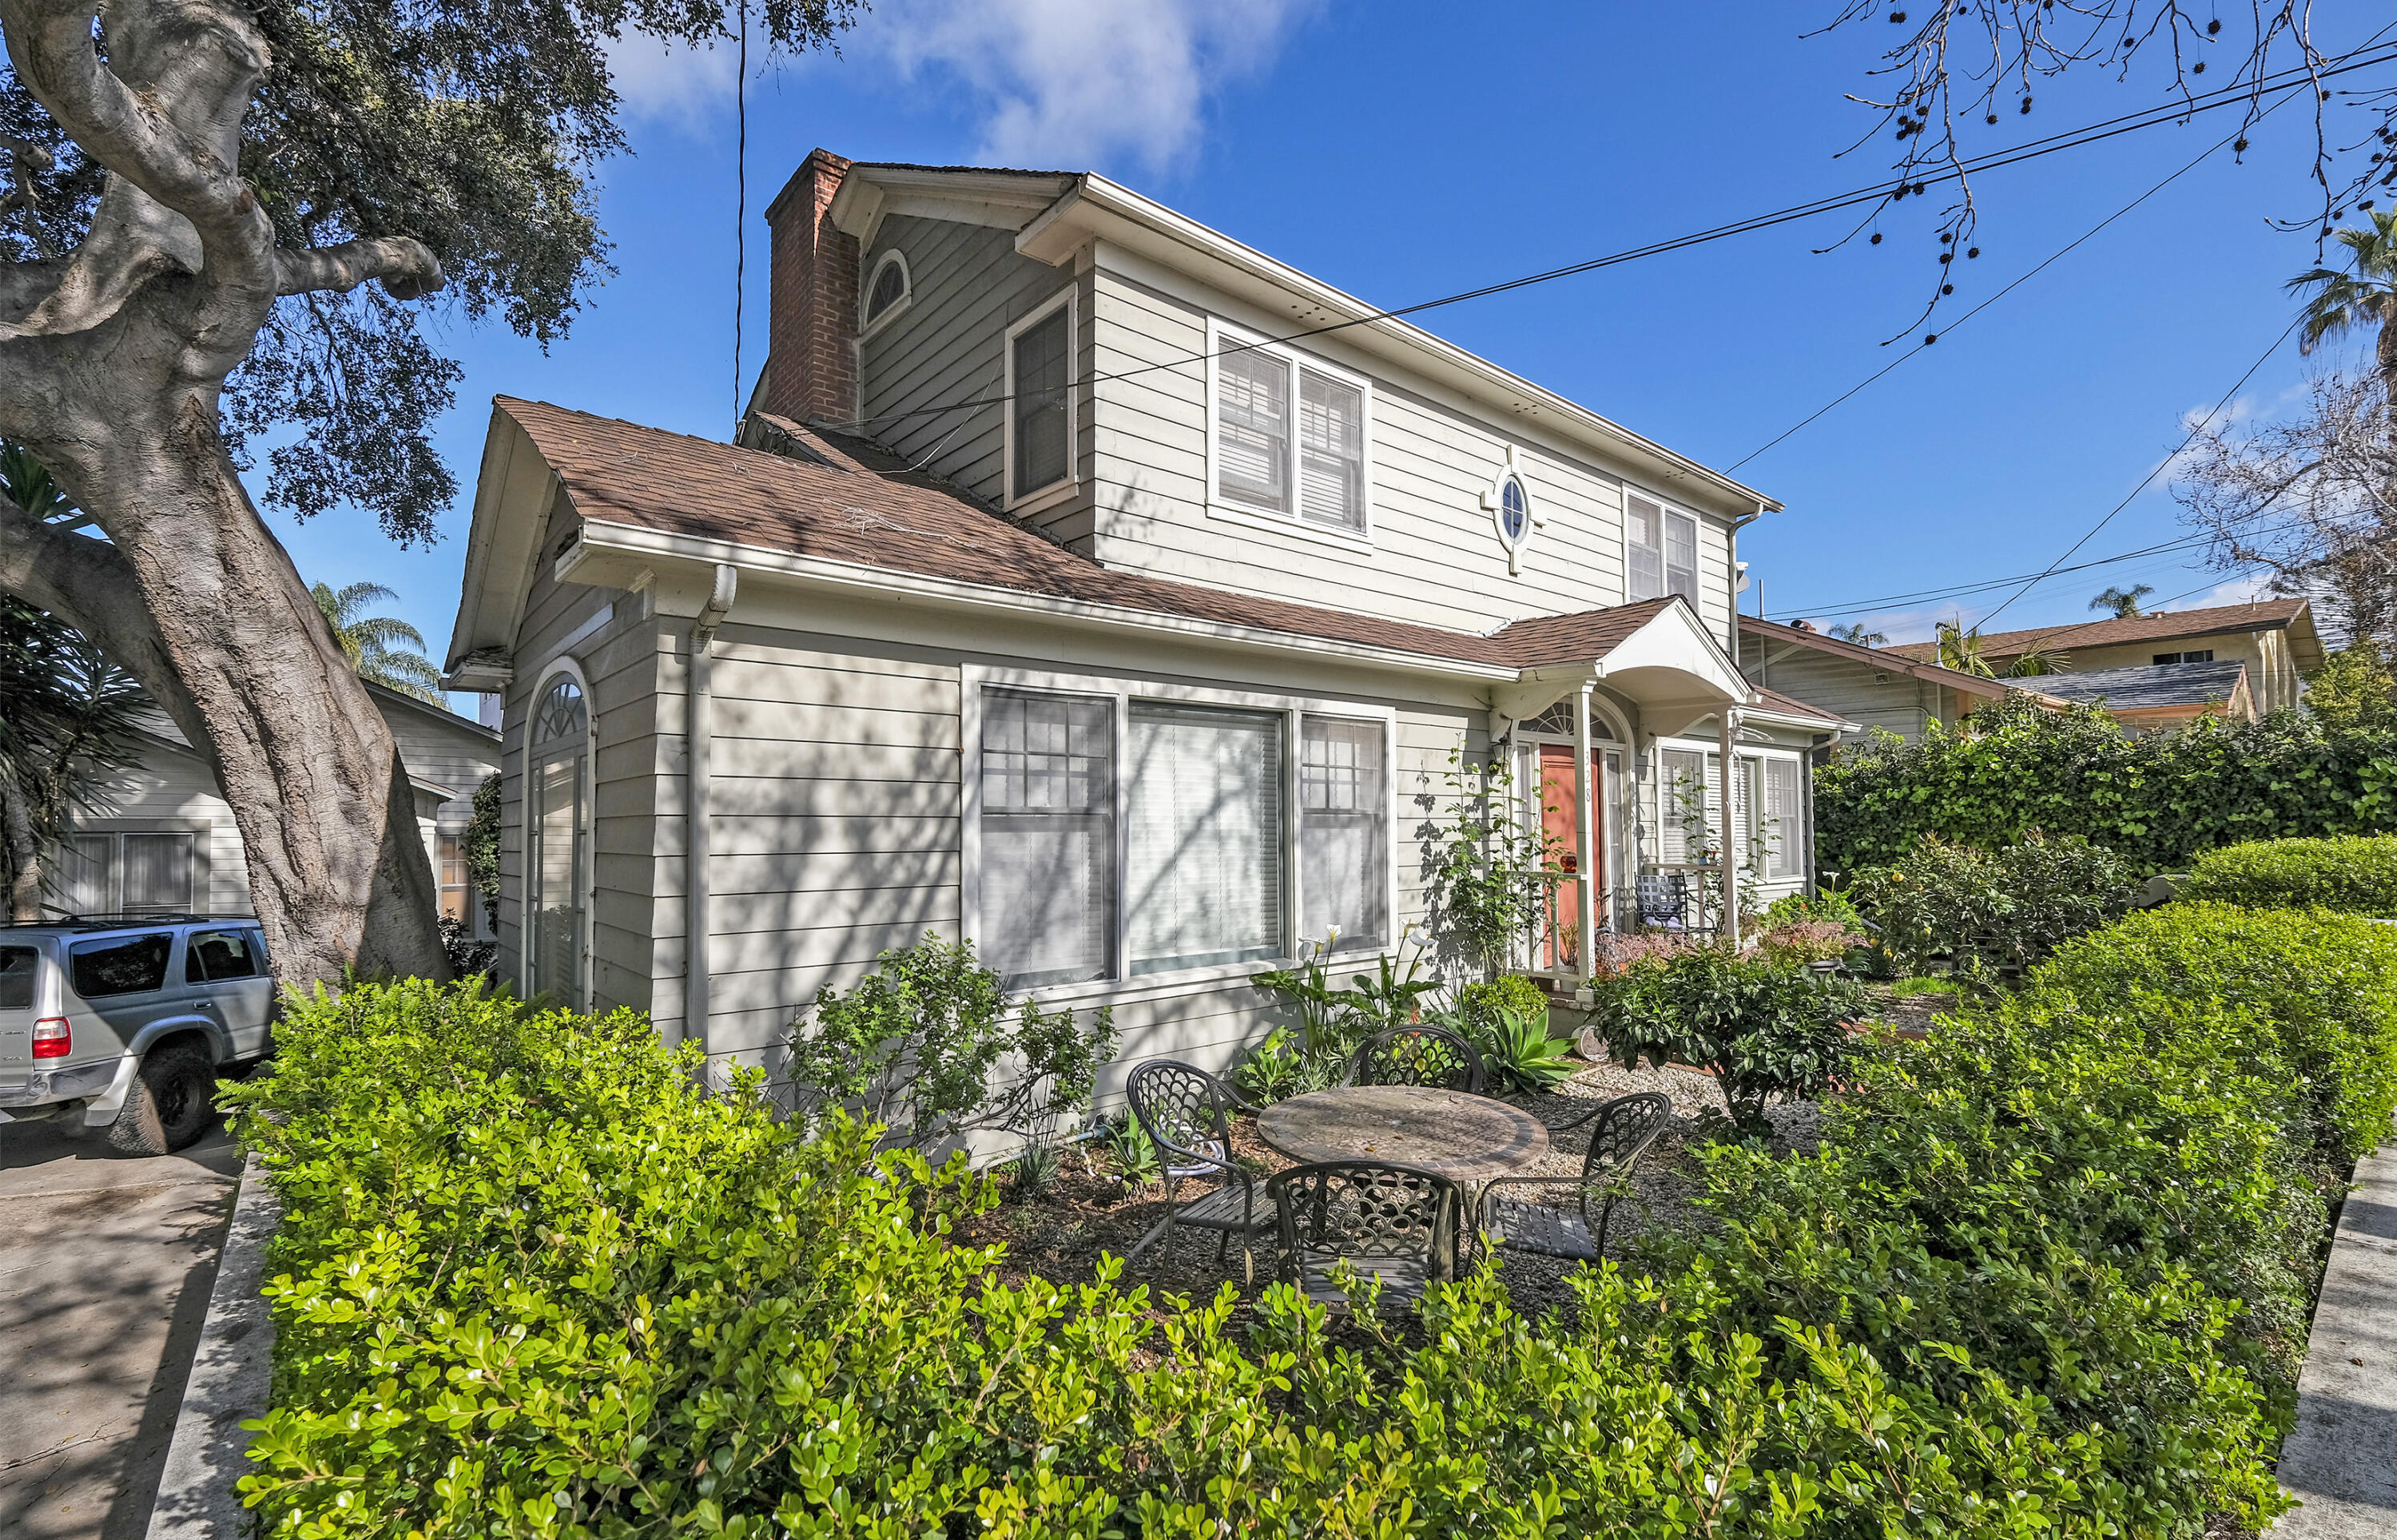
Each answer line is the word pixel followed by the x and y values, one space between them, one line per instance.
pixel 1041 435
pixel 1643 548
pixel 1047 836
pixel 1205 881
pixel 1683 810
pixel 1252 429
pixel 158 874
pixel 84 879
pixel 1331 452
pixel 1784 806
pixel 1344 806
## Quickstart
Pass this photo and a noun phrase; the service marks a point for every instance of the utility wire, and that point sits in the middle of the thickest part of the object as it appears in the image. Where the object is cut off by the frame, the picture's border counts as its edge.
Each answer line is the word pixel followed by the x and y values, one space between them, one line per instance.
pixel 2071 139
pixel 2192 438
pixel 740 201
pixel 1867 607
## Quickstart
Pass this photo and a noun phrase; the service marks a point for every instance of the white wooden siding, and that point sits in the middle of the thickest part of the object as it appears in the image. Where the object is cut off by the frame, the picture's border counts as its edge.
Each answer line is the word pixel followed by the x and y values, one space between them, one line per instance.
pixel 1436 558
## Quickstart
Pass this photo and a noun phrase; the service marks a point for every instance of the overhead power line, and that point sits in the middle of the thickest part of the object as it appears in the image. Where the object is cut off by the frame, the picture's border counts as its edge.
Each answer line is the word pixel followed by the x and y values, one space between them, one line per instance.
pixel 2176 112
pixel 1959 590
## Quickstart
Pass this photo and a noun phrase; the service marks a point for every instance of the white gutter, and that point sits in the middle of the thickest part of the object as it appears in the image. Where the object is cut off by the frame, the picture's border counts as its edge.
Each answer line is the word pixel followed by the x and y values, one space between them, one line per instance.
pixel 698 737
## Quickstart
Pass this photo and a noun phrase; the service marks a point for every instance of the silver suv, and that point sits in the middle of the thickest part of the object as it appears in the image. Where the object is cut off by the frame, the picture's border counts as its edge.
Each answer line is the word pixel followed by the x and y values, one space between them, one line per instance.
pixel 123 1024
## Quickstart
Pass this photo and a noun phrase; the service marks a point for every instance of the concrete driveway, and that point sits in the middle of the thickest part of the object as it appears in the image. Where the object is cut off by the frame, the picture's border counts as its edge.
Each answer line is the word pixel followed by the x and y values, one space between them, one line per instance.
pixel 105 1266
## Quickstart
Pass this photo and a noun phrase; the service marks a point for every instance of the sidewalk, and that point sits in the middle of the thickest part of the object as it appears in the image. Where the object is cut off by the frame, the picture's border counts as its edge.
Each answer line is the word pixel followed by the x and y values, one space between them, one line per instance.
pixel 2340 1460
pixel 105 1266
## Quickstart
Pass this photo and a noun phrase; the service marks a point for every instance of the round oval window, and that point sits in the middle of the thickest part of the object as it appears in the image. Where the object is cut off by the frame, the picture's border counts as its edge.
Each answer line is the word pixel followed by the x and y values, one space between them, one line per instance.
pixel 1514 509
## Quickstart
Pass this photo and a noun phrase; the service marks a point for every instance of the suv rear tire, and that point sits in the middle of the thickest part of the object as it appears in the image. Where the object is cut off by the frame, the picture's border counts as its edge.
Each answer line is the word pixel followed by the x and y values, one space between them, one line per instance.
pixel 170 1105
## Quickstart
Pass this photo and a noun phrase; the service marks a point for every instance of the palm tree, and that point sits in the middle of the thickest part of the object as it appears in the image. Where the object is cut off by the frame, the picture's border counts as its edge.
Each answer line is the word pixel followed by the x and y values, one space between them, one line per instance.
pixel 1960 650
pixel 2365 296
pixel 2124 602
pixel 374 643
pixel 1854 632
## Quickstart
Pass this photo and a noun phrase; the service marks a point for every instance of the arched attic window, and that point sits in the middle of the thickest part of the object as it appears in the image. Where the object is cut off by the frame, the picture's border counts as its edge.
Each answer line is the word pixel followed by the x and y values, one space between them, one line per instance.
pixel 887 292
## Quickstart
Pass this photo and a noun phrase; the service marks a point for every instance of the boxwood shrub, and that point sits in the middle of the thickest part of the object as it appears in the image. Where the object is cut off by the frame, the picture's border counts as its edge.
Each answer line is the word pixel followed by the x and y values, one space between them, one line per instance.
pixel 2042 1277
pixel 2356 873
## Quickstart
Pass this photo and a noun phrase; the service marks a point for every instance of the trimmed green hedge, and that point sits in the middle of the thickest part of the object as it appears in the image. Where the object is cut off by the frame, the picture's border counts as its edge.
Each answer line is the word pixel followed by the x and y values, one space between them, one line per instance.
pixel 2158 798
pixel 2356 874
pixel 2044 1278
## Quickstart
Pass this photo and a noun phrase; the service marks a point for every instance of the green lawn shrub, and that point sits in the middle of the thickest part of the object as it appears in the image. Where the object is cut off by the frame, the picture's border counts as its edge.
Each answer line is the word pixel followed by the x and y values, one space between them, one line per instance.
pixel 2045 1277
pixel 1479 1007
pixel 1985 910
pixel 2353 873
pixel 1767 1028
pixel 2156 798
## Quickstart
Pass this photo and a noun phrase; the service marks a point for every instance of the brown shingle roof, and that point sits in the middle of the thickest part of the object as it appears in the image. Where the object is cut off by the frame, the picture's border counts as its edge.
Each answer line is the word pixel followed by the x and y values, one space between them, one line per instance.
pixel 1774 700
pixel 1772 633
pixel 2267 615
pixel 621 473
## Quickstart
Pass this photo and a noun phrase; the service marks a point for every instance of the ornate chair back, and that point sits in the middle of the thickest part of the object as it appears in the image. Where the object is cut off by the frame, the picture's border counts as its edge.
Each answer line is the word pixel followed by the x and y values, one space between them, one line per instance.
pixel 1391 1220
pixel 1418 1055
pixel 1186 1112
pixel 1626 1127
pixel 1663 899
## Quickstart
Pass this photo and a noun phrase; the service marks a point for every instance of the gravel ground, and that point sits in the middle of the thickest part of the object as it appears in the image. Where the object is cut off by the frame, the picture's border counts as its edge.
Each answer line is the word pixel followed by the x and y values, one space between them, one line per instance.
pixel 1060 1235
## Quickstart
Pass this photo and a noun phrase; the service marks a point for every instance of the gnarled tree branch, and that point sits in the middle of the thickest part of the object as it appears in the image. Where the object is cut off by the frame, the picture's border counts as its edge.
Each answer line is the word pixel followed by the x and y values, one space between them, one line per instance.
pixel 407 269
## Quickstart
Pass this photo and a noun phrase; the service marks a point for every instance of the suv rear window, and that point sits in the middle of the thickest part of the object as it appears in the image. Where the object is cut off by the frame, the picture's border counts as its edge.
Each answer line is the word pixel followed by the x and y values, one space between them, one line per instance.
pixel 129 965
pixel 17 965
pixel 209 956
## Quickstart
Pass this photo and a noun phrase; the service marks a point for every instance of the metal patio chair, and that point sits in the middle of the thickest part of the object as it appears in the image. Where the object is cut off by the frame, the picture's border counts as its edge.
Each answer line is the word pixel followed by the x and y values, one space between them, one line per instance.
pixel 1626 1127
pixel 1392 1222
pixel 1662 901
pixel 1430 1056
pixel 1187 1113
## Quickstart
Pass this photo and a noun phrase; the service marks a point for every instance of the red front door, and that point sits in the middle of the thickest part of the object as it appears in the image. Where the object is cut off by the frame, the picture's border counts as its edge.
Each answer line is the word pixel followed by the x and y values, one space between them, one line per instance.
pixel 1560 793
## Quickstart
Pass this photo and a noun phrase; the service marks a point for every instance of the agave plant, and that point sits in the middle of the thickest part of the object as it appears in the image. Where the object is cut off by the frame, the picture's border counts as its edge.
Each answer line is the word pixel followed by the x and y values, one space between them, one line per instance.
pixel 1136 1154
pixel 1034 1171
pixel 1518 1055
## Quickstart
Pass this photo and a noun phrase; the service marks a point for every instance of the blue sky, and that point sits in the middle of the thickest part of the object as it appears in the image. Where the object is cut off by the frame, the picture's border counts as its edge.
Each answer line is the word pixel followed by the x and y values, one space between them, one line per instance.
pixel 1405 150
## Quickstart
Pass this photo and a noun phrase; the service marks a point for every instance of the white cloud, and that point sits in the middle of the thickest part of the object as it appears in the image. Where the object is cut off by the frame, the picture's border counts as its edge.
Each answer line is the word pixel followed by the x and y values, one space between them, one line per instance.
pixel 681 86
pixel 1070 84
pixel 2238 590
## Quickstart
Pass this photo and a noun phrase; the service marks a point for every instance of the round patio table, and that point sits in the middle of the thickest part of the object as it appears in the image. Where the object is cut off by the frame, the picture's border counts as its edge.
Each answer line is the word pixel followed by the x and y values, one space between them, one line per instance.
pixel 1452 1133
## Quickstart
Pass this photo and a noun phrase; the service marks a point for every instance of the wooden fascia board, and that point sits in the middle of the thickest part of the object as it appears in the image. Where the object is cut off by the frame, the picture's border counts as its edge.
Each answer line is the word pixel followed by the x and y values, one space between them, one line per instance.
pixel 512 493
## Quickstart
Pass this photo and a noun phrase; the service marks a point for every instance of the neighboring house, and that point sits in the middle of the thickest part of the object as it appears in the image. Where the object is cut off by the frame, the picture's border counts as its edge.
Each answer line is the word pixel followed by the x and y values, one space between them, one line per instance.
pixel 1051 603
pixel 2275 637
pixel 1883 687
pixel 2167 695
pixel 160 837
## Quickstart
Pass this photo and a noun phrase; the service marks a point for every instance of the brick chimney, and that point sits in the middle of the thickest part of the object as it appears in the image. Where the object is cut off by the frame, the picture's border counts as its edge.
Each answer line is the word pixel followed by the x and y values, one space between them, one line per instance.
pixel 811 303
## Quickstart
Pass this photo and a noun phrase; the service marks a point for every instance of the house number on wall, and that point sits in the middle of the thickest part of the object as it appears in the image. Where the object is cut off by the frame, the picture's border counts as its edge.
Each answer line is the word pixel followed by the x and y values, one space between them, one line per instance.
pixel 1512 511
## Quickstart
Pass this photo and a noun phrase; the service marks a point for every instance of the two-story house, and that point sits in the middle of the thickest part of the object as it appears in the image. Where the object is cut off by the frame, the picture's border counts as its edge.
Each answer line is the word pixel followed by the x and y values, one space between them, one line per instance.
pixel 1098 587
pixel 2166 667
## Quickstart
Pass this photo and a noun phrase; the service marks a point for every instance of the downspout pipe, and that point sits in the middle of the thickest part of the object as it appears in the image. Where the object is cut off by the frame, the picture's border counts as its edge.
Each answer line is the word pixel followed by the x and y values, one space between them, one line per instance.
pixel 1728 739
pixel 698 731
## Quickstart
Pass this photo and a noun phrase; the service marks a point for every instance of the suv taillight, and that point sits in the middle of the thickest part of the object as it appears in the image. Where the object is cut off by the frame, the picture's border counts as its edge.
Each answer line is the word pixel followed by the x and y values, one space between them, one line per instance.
pixel 53 1038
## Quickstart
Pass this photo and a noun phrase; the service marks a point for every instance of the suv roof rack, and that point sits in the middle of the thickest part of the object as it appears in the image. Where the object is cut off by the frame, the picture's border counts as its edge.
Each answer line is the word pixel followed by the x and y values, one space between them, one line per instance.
pixel 113 921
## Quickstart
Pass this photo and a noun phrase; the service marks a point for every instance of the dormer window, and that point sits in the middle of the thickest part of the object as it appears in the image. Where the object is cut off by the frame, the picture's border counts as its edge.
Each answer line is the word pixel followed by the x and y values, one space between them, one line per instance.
pixel 887 292
pixel 1290 435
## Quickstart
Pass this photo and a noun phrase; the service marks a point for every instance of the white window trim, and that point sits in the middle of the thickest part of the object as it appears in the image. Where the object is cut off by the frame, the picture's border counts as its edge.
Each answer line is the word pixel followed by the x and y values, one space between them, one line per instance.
pixel 1746 754
pixel 907 291
pixel 1221 335
pixel 203 873
pixel 1672 510
pixel 565 664
pixel 1065 487
pixel 1124 690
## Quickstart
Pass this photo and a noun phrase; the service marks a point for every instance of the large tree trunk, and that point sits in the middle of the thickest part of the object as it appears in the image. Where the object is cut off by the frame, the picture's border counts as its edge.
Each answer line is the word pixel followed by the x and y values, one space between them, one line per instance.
pixel 338 869
pixel 111 366
pixel 25 854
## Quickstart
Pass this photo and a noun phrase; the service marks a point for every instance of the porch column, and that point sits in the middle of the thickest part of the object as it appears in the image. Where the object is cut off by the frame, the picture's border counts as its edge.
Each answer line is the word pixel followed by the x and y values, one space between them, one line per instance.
pixel 1586 836
pixel 1728 734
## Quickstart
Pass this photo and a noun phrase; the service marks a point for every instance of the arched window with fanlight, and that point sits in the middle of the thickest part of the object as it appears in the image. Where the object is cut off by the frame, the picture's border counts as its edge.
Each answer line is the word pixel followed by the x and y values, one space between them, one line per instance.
pixel 887 292
pixel 557 864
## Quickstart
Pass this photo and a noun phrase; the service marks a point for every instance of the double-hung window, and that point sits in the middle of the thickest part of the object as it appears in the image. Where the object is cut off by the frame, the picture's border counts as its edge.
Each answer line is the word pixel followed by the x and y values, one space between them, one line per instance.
pixel 1047 836
pixel 1290 436
pixel 1041 399
pixel 1344 833
pixel 1119 837
pixel 1660 550
pixel 1785 813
